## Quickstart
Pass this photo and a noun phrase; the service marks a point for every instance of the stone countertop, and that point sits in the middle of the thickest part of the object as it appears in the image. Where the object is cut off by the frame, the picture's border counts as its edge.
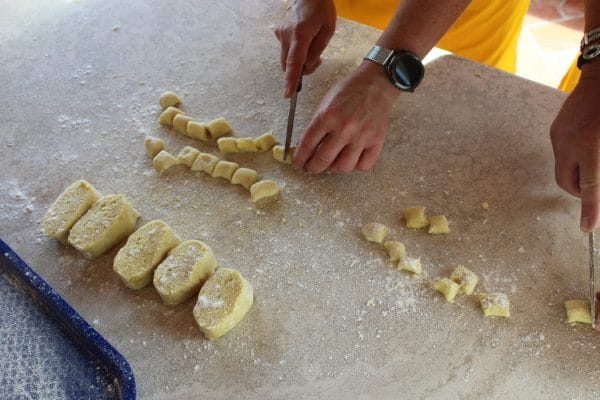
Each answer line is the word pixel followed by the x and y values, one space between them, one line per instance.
pixel 332 318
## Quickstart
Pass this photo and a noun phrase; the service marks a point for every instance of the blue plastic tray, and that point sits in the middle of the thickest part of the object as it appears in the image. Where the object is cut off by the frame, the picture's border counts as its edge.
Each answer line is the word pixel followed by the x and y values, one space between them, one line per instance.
pixel 47 350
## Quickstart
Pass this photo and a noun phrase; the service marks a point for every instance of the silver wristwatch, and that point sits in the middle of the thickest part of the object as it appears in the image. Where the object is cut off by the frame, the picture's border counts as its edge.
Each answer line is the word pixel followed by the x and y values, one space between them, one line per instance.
pixel 403 68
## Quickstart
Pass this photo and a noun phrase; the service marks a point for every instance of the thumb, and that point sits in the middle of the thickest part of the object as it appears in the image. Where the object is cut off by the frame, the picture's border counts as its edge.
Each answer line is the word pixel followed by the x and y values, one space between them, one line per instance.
pixel 589 184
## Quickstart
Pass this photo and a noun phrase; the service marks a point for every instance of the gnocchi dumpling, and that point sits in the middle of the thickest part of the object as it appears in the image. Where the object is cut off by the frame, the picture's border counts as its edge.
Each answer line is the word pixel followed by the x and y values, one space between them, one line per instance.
pixel 448 288
pixel 375 232
pixel 180 123
pixel 246 145
pixel 279 156
pixel 164 161
pixel 409 264
pixel 396 250
pixel 187 155
pixel 466 278
pixel 167 116
pixel 265 141
pixel 578 311
pixel 197 130
pixel 153 145
pixel 228 145
pixel 205 162
pixel 495 304
pixel 225 169
pixel 168 99
pixel 415 217
pixel 438 224
pixel 219 127
pixel 245 177
pixel 263 189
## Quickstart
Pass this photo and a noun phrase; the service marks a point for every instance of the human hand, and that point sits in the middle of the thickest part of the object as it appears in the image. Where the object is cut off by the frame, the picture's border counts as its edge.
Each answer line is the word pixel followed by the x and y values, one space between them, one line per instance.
pixel 350 124
pixel 304 34
pixel 575 135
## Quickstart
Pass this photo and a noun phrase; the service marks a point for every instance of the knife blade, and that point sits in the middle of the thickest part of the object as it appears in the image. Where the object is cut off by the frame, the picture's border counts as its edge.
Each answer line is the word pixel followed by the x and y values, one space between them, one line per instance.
pixel 290 121
pixel 592 291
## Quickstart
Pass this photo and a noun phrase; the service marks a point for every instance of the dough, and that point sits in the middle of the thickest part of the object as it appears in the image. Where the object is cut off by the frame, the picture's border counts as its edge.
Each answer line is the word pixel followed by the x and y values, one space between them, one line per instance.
pixel 205 162
pixel 494 304
pixel 188 155
pixel 396 250
pixel 265 141
pixel 578 311
pixel 246 145
pixel 278 154
pixel 181 274
pixel 166 118
pixel 223 301
pixel 466 278
pixel 263 189
pixel 447 287
pixel 438 224
pixel 227 145
pixel 110 220
pixel 225 169
pixel 245 177
pixel 70 205
pixel 153 145
pixel 163 161
pixel 219 127
pixel 409 264
pixel 180 123
pixel 415 217
pixel 197 130
pixel 144 250
pixel 168 99
pixel 375 232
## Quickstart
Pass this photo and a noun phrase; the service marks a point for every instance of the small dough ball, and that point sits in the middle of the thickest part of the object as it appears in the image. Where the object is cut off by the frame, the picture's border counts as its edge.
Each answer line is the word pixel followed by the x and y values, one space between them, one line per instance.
pixel 396 250
pixel 409 264
pixel 415 217
pixel 180 123
pixel 144 250
pixel 223 301
pixel 375 232
pixel 197 130
pixel 447 287
pixel 205 162
pixel 466 278
pixel 110 220
pixel 166 118
pixel 495 304
pixel 168 99
pixel 263 189
pixel 185 269
pixel 188 155
pixel 227 145
pixel 485 205
pixel 265 141
pixel 245 177
pixel 70 205
pixel 218 127
pixel 163 161
pixel 278 154
pixel 438 224
pixel 578 311
pixel 246 145
pixel 225 169
pixel 154 145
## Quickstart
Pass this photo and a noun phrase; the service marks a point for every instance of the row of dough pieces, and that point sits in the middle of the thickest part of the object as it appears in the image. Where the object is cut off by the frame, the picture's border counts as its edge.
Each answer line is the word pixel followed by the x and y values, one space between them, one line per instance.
pixel 93 224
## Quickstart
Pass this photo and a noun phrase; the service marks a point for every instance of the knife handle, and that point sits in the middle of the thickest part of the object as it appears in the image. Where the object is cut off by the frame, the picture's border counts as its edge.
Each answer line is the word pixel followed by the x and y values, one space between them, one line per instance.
pixel 299 88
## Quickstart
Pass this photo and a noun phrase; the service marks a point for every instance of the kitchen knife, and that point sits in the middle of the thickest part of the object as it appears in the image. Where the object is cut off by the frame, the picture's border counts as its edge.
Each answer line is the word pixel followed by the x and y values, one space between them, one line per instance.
pixel 290 122
pixel 592 291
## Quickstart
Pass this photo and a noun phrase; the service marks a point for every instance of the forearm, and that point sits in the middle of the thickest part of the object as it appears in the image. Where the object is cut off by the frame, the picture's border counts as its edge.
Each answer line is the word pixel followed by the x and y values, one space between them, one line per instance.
pixel 592 14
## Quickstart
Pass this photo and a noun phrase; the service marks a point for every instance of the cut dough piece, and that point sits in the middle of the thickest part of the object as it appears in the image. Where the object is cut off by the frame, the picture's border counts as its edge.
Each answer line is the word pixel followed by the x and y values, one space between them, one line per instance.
pixel 223 301
pixel 144 250
pixel 578 311
pixel 466 278
pixel 188 155
pixel 396 250
pixel 245 177
pixel 263 189
pixel 494 304
pixel 181 274
pixel 438 224
pixel 197 130
pixel 227 145
pixel 265 141
pixel 415 217
pixel 375 232
pixel 70 205
pixel 205 162
pixel 218 127
pixel 180 123
pixel 163 161
pixel 411 265
pixel 168 99
pixel 166 118
pixel 246 145
pixel 110 220
pixel 278 154
pixel 154 145
pixel 225 169
pixel 447 287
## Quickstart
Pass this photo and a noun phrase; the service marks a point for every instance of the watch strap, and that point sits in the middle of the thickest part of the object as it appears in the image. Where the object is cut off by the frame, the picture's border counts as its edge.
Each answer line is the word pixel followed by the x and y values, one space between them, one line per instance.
pixel 379 55
pixel 590 37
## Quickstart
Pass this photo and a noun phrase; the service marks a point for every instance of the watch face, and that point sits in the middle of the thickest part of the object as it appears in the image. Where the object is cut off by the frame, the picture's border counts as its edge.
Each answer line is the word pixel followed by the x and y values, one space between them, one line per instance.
pixel 405 70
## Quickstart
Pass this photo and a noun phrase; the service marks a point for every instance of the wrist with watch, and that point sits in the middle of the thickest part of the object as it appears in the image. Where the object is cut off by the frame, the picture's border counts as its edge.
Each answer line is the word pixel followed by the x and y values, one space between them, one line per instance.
pixel 589 50
pixel 403 68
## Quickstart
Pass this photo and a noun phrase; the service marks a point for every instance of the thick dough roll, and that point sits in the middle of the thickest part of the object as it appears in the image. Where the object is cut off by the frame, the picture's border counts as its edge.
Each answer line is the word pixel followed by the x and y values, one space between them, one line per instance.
pixel 184 270
pixel 223 301
pixel 144 250
pixel 68 208
pixel 110 220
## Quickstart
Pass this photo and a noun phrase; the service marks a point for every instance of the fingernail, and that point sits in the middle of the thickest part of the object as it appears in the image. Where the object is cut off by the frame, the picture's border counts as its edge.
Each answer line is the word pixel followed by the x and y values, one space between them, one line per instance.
pixel 584 224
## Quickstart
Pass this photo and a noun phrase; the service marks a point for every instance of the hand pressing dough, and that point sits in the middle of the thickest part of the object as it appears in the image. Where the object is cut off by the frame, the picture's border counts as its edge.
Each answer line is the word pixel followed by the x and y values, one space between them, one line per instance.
pixel 494 304
pixel 163 161
pixel 578 311
pixel 185 269
pixel 144 250
pixel 154 145
pixel 263 189
pixel 188 155
pixel 227 145
pixel 168 99
pixel 447 287
pixel 438 224
pixel 466 278
pixel 205 162
pixel 415 217
pixel 265 141
pixel 223 301
pixel 409 264
pixel 197 130
pixel 396 250
pixel 246 145
pixel 278 154
pixel 110 220
pixel 180 123
pixel 375 232
pixel 245 177
pixel 70 205
pixel 225 169
pixel 166 118
pixel 218 127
